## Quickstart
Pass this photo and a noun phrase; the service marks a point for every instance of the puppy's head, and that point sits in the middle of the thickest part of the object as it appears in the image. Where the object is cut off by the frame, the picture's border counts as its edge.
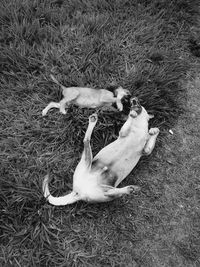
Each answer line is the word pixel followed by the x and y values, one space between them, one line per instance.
pixel 124 96
pixel 120 92
pixel 126 102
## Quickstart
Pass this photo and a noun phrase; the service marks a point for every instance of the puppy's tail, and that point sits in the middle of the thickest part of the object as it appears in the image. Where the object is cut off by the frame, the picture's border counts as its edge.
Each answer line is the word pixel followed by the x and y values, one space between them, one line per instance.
pixel 58 201
pixel 54 79
pixel 57 82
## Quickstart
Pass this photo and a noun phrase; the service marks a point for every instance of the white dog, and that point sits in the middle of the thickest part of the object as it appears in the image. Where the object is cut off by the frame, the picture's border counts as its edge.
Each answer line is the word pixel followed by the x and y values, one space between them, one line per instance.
pixel 85 97
pixel 96 179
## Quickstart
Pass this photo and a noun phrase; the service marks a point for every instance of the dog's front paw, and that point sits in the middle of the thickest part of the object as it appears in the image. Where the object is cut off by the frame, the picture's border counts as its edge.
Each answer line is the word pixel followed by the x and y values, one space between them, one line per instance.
pixel 154 131
pixel 93 118
pixel 132 188
pixel 147 151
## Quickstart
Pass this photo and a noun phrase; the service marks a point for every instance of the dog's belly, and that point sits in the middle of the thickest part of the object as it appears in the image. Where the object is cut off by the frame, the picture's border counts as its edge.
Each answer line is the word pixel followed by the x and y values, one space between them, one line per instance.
pixel 122 155
pixel 89 188
pixel 123 166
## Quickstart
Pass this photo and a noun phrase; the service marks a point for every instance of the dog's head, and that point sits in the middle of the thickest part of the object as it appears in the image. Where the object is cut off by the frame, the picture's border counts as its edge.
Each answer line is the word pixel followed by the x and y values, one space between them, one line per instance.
pixel 137 109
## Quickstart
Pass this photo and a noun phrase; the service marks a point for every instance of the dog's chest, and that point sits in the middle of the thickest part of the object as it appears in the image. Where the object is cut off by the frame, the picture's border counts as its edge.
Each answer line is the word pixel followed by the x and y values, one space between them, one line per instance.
pixel 123 148
pixel 123 154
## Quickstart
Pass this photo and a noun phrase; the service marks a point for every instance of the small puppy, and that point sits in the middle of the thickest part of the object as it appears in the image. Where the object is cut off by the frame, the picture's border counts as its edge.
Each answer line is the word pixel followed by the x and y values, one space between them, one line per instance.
pixel 96 179
pixel 85 97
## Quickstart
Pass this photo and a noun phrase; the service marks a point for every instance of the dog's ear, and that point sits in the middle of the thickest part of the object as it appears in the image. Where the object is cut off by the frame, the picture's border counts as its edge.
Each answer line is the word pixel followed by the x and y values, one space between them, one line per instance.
pixel 151 116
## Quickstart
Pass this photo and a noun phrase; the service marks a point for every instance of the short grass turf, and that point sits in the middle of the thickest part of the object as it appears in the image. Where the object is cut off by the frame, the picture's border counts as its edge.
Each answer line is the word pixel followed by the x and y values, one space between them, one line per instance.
pixel 140 45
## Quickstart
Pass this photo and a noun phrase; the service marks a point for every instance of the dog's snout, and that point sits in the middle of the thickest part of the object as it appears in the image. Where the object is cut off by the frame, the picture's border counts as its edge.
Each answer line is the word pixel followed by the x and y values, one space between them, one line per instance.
pixel 135 101
pixel 135 105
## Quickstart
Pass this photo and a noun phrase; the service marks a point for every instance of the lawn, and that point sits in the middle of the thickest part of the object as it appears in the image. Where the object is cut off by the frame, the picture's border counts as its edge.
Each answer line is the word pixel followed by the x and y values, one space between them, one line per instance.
pixel 148 47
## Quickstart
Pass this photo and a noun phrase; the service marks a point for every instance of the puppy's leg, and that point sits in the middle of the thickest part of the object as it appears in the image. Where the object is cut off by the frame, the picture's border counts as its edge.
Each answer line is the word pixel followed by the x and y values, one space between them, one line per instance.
pixel 115 100
pixel 69 95
pixel 118 192
pixel 119 104
pixel 87 152
pixel 49 106
pixel 63 103
pixel 150 144
pixel 107 98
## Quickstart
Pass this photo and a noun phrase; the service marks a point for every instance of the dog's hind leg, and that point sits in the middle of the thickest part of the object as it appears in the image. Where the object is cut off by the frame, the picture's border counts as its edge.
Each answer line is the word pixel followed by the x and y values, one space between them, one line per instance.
pixel 49 106
pixel 87 156
pixel 150 144
pixel 118 192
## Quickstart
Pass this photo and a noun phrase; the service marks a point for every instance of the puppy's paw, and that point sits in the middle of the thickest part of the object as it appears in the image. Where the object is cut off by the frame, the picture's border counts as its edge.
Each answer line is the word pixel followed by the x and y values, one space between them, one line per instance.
pixel 120 106
pixel 154 131
pixel 63 111
pixel 93 118
pixel 132 188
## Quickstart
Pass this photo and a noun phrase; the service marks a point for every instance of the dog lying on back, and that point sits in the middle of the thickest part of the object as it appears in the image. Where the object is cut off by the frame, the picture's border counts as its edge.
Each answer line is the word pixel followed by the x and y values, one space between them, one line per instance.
pixel 85 97
pixel 96 179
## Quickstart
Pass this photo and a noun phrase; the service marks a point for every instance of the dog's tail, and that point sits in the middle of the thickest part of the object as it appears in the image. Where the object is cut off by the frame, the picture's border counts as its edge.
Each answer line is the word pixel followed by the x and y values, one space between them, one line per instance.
pixel 58 201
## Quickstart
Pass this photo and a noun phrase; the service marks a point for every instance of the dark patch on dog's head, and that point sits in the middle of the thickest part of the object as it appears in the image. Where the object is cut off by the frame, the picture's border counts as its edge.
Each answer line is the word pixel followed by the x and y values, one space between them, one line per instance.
pixel 112 88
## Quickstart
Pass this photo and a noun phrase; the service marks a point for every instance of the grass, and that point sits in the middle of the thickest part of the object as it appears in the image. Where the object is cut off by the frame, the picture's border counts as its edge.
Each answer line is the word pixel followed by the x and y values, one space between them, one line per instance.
pixel 144 46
